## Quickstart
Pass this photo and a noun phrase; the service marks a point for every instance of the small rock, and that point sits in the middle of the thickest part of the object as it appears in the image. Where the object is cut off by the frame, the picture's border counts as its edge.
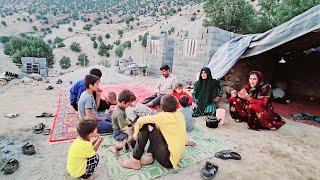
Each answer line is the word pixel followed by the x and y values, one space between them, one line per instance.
pixel 6 151
pixel 26 80
pixel 11 143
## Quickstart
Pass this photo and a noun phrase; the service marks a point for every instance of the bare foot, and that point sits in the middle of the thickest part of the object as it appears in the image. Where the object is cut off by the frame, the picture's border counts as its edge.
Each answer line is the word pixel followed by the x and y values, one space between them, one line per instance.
pixel 116 149
pixel 147 159
pixel 93 176
pixel 131 164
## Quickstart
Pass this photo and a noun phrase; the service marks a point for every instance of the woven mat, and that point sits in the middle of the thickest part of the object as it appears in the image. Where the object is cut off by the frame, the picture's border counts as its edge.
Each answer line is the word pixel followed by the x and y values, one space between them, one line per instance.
pixel 208 144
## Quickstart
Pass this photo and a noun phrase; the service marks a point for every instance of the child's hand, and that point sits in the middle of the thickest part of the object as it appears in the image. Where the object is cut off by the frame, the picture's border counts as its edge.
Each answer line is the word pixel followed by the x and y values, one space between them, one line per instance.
pixel 100 139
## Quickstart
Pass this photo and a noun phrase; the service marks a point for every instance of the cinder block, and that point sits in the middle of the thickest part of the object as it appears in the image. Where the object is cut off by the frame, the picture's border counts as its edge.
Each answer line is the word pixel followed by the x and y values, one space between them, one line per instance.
pixel 181 63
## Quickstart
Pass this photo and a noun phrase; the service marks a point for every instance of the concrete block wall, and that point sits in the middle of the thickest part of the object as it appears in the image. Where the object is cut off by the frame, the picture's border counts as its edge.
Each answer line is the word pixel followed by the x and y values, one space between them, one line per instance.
pixel 209 39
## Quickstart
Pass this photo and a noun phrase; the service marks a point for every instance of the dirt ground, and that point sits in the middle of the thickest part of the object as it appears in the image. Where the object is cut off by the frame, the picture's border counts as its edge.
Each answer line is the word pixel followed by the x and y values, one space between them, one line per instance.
pixel 291 152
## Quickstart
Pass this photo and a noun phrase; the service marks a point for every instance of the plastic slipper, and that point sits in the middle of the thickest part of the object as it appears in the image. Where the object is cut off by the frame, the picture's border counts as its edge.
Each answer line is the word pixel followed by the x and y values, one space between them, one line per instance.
pixel 12 115
pixel 28 149
pixel 38 128
pixel 46 131
pixel 45 114
pixel 227 154
pixel 10 167
pixel 49 88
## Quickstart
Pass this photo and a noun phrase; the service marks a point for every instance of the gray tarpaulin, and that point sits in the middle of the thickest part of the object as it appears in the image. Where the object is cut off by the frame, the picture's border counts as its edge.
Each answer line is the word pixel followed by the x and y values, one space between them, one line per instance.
pixel 250 45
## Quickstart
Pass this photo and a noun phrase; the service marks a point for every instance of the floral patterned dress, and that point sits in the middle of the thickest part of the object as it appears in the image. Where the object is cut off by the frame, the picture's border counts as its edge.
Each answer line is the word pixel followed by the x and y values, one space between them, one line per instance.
pixel 257 112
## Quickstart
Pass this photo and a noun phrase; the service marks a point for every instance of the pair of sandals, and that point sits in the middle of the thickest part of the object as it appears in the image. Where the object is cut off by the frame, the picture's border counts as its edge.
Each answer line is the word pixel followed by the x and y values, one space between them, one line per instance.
pixel 228 154
pixel 49 88
pixel 28 149
pixel 40 128
pixel 10 166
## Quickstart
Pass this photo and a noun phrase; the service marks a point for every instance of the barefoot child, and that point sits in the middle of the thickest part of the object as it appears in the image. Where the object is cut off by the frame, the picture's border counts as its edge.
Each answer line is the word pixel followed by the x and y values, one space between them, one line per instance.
pixel 82 156
pixel 120 124
pixel 166 132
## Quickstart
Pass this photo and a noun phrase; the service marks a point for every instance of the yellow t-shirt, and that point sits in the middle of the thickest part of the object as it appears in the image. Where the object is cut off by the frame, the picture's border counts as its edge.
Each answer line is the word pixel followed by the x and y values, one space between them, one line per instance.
pixel 173 128
pixel 78 153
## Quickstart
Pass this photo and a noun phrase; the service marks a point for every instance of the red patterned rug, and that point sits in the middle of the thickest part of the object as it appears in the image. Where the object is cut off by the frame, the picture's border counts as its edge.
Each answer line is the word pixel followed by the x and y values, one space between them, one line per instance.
pixel 66 120
pixel 297 106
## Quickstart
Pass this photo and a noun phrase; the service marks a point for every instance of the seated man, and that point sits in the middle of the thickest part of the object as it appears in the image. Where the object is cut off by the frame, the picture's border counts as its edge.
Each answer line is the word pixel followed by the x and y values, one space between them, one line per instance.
pixel 87 105
pixel 165 85
pixel 166 132
pixel 78 88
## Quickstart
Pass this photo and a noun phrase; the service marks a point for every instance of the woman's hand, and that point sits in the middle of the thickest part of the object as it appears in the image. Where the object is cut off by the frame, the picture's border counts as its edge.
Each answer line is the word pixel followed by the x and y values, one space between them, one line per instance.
pixel 244 95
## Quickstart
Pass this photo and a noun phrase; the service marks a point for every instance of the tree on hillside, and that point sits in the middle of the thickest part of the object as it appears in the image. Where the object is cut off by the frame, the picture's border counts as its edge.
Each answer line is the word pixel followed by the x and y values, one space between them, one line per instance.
pixel 70 29
pixel 235 16
pixel 278 12
pixel 119 51
pixel 4 23
pixel 60 45
pixel 120 32
pixel 19 47
pixel 107 36
pixel 117 42
pixel 87 27
pixel 4 39
pixel 103 49
pixel 75 47
pixel 57 40
pixel 100 38
pixel 83 59
pixel 127 44
pixel 144 39
pixel 65 62
pixel 95 45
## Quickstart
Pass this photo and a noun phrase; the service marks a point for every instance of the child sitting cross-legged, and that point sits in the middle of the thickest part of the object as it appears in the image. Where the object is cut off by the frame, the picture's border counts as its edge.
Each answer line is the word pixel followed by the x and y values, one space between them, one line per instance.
pixel 187 112
pixel 122 129
pixel 82 156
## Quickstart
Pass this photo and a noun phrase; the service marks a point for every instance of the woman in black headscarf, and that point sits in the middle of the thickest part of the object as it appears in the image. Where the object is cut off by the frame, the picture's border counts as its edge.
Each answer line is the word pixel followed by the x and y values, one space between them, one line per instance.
pixel 206 92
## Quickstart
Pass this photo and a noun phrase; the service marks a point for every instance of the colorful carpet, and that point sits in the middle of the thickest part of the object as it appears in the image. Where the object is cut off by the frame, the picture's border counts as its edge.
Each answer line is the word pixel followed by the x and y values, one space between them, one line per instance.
pixel 141 93
pixel 207 144
pixel 66 119
pixel 297 106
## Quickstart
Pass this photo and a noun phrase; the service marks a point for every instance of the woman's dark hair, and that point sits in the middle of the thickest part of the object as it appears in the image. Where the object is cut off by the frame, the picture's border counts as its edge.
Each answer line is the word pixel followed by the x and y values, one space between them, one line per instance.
pixel 184 101
pixel 96 72
pixel 90 79
pixel 126 96
pixel 164 67
pixel 85 127
pixel 168 103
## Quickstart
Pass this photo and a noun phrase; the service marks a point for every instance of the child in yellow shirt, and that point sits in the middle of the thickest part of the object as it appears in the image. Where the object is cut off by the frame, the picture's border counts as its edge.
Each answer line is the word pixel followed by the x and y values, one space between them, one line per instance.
pixel 166 132
pixel 82 156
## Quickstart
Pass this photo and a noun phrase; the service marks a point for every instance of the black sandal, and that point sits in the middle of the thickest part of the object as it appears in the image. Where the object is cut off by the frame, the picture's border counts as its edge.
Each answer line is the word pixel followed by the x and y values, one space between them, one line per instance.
pixel 45 114
pixel 227 154
pixel 38 128
pixel 10 167
pixel 46 131
pixel 28 149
